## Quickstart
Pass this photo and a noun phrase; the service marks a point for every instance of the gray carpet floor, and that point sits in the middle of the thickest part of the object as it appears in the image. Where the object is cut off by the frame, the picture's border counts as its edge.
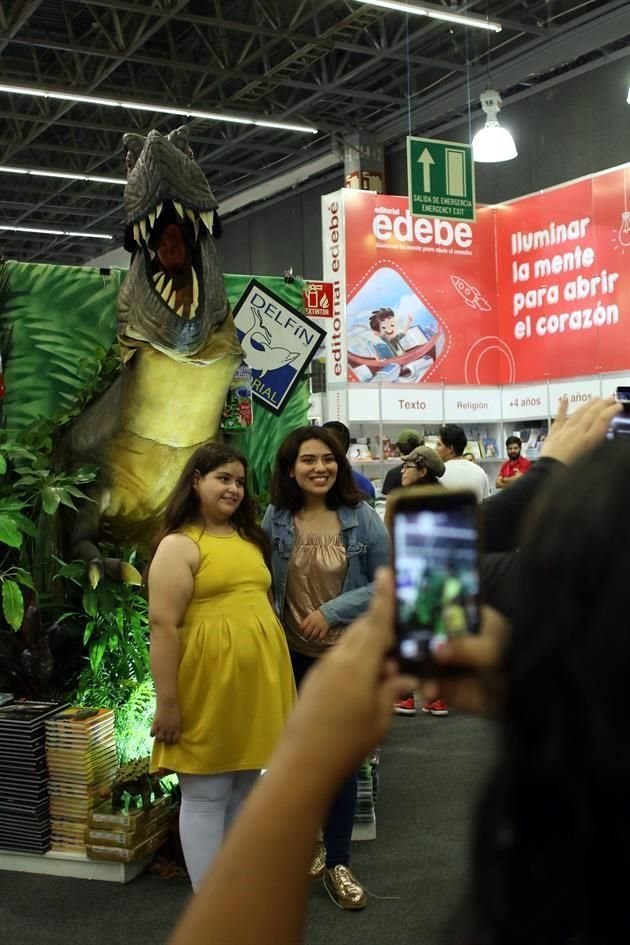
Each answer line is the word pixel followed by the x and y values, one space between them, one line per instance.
pixel 431 773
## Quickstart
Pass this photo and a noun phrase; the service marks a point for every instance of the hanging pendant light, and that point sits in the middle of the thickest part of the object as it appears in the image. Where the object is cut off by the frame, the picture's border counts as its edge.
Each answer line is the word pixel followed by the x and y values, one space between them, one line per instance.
pixel 493 143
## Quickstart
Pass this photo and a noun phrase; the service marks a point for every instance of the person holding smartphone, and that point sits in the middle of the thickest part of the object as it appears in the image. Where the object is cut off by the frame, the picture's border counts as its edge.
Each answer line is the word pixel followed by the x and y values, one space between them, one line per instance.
pixel 326 546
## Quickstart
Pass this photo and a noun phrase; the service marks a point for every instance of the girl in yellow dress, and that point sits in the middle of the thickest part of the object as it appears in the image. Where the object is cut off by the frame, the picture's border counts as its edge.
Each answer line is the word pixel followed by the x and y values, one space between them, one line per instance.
pixel 219 658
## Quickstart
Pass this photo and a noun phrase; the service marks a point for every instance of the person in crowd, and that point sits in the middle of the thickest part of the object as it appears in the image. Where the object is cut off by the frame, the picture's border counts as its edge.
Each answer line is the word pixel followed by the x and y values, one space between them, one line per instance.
pixel 422 467
pixel 407 441
pixel 326 546
pixel 219 657
pixel 469 457
pixel 515 465
pixel 551 848
pixel 460 474
pixel 363 484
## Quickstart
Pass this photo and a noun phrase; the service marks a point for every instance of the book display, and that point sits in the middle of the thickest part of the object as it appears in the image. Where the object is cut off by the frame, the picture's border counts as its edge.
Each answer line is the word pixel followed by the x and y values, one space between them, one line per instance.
pixel 24 813
pixel 82 764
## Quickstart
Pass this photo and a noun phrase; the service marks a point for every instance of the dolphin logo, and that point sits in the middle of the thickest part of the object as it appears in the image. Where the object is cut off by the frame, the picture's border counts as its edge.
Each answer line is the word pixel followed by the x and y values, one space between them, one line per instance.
pixel 259 354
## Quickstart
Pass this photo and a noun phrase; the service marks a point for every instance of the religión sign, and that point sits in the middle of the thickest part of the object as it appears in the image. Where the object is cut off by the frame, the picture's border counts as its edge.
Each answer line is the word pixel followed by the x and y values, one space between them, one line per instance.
pixel 278 343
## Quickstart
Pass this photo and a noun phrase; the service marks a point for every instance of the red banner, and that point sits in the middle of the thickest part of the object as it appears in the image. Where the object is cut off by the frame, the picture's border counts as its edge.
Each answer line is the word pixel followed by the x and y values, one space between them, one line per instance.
pixel 534 289
pixel 563 258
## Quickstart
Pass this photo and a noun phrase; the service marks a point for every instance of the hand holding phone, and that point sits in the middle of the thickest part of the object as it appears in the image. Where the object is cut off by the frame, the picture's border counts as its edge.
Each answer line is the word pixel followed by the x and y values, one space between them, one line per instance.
pixel 620 425
pixel 436 572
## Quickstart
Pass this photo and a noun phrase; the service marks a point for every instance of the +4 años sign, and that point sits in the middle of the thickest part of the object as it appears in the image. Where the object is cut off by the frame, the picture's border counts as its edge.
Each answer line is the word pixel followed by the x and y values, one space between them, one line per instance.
pixel 278 343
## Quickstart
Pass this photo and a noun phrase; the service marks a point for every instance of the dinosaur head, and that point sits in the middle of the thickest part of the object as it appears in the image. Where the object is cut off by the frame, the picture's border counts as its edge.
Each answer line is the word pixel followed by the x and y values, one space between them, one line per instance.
pixel 173 295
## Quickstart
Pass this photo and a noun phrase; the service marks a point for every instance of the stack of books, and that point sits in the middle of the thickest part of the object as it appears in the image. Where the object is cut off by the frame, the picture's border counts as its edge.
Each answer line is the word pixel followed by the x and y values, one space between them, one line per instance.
pixel 127 835
pixel 82 763
pixel 24 817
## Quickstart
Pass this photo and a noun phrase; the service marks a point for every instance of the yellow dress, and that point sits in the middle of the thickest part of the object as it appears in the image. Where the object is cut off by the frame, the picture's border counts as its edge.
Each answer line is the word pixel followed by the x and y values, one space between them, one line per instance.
pixel 235 682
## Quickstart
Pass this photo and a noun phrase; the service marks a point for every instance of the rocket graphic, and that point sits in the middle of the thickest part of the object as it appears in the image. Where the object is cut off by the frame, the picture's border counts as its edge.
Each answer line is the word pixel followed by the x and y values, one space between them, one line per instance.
pixel 470 294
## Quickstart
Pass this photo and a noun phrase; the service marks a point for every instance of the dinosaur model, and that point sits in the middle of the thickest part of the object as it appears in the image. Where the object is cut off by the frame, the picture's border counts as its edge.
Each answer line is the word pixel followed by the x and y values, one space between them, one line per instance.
pixel 178 344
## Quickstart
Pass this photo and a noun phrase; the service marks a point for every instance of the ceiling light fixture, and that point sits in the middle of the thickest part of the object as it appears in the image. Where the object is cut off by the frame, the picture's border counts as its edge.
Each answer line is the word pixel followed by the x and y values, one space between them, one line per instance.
pixel 436 13
pixel 160 109
pixel 492 143
pixel 37 229
pixel 628 98
pixel 64 175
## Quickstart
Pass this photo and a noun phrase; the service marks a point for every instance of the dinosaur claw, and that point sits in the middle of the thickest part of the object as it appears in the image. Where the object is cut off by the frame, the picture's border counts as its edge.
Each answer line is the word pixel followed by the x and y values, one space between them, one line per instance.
pixel 95 574
pixel 129 574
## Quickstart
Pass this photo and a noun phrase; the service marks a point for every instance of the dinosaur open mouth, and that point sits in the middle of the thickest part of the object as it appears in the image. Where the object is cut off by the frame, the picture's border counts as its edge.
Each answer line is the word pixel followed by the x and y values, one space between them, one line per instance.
pixel 169 237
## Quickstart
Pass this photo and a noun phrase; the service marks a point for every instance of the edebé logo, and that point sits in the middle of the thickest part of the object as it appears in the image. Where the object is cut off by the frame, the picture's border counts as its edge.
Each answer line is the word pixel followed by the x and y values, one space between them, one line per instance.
pixel 407 229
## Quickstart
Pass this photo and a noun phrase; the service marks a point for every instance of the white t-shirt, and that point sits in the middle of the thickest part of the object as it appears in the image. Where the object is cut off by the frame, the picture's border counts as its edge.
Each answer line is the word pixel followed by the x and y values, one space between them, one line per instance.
pixel 462 474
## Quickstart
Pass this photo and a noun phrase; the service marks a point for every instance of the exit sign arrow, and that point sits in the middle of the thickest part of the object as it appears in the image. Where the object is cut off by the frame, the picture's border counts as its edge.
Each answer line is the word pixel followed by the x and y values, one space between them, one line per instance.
pixel 426 160
pixel 440 179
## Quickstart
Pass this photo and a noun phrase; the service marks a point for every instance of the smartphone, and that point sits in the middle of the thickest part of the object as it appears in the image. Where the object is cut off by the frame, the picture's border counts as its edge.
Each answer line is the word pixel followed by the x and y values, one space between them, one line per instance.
pixel 620 425
pixel 437 572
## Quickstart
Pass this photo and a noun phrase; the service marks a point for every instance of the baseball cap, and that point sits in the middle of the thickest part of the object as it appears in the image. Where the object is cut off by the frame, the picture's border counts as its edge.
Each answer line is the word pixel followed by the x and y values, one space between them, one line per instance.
pixel 427 456
pixel 405 436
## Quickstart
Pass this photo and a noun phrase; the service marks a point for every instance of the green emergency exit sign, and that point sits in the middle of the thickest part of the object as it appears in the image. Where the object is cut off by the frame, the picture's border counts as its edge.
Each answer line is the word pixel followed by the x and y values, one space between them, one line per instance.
pixel 441 179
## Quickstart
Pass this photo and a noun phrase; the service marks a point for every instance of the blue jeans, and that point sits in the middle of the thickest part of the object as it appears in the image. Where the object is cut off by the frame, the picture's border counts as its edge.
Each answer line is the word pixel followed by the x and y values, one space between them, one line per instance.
pixel 340 821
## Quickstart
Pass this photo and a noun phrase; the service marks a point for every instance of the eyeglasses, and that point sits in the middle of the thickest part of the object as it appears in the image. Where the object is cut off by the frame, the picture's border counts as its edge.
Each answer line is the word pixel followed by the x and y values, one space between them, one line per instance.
pixel 418 465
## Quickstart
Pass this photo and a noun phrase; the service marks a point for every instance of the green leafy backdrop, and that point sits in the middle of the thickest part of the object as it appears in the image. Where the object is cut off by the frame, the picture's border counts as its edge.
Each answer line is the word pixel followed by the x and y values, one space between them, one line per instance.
pixel 58 321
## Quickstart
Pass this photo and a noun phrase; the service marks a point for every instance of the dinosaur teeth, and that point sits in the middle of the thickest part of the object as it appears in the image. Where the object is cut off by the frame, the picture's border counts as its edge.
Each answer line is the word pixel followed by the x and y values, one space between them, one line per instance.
pixel 166 291
pixel 143 229
pixel 136 233
pixel 195 292
pixel 179 208
pixel 190 214
pixel 151 255
pixel 158 278
pixel 151 219
pixel 196 228
pixel 158 210
pixel 208 218
pixel 180 311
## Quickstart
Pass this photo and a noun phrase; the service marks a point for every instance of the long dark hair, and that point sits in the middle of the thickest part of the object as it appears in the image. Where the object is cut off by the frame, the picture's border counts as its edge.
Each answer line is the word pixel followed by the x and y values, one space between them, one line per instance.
pixel 553 835
pixel 184 508
pixel 285 492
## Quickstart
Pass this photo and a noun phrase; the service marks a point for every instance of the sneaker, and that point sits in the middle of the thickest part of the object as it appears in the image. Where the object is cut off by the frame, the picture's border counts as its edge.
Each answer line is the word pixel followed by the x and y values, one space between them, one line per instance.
pixel 405 706
pixel 344 888
pixel 437 707
pixel 319 862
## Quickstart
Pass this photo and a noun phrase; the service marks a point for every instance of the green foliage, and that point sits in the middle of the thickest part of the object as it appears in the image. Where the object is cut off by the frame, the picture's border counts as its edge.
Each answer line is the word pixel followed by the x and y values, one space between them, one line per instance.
pixel 34 490
pixel 58 320
pixel 116 671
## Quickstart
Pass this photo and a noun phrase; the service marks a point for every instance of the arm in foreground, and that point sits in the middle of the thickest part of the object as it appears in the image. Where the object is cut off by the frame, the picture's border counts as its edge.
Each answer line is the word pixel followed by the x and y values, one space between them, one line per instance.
pixel 256 891
pixel 170 589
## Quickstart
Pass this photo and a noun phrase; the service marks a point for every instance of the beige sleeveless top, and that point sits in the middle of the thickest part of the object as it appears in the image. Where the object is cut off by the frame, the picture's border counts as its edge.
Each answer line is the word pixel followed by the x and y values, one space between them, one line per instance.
pixel 317 570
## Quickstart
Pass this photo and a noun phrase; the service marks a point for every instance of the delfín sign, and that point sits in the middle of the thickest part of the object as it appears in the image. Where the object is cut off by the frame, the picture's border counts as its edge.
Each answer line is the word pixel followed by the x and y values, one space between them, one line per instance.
pixel 441 179
pixel 278 343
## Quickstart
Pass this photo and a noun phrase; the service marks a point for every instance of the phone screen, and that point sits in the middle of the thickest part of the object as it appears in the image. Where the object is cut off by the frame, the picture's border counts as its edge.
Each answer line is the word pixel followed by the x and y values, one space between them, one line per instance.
pixel 620 425
pixel 436 564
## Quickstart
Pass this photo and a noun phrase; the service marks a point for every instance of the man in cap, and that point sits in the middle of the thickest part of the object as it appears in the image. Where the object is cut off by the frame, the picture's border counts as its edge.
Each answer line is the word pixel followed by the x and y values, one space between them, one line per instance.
pixel 407 441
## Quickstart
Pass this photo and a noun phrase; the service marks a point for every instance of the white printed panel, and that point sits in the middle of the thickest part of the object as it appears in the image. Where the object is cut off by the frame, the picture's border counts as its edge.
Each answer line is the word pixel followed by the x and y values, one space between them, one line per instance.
pixel 526 400
pixel 471 404
pixel 337 404
pixel 578 393
pixel 363 404
pixel 412 405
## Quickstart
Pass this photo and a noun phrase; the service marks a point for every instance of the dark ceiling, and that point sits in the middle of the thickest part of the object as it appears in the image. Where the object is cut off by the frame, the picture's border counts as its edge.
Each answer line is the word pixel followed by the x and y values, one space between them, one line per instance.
pixel 339 65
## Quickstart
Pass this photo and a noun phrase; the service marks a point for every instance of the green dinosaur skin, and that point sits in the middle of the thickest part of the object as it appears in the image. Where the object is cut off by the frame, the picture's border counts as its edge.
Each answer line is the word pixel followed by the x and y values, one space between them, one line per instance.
pixel 179 346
